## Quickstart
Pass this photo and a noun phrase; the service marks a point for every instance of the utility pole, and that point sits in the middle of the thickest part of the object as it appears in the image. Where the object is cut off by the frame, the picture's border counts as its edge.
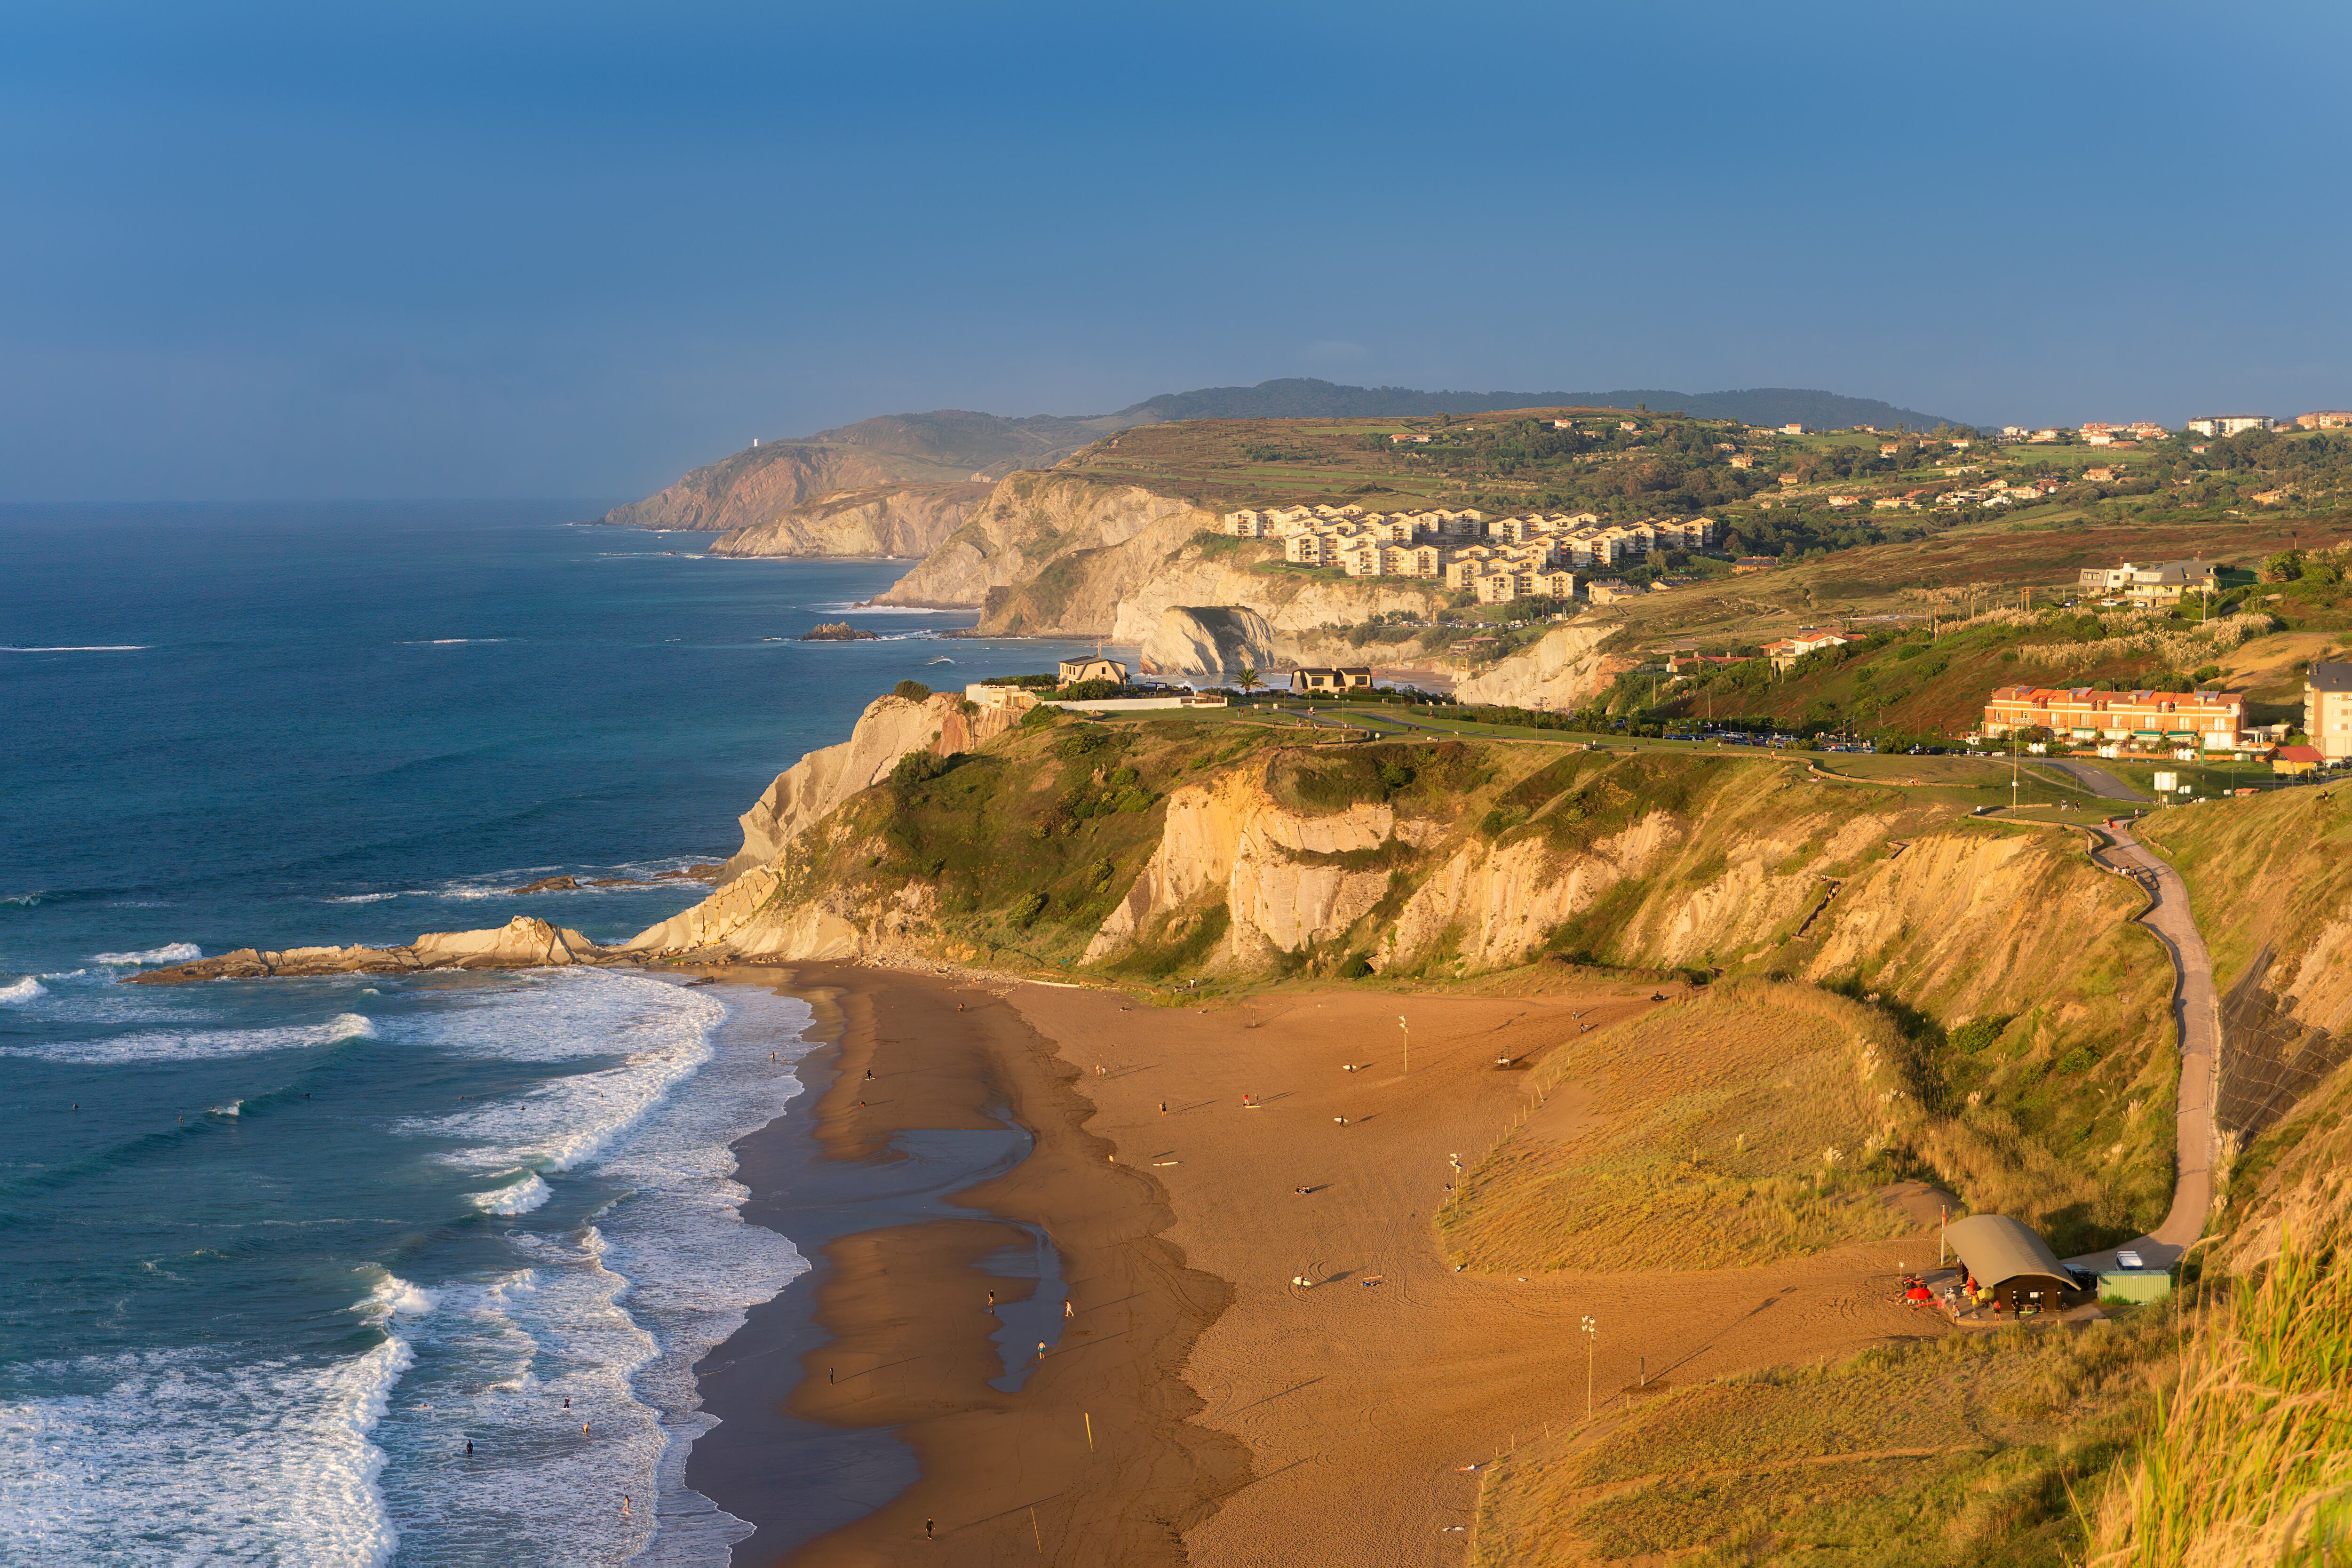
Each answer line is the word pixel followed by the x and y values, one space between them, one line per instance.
pixel 1591 1337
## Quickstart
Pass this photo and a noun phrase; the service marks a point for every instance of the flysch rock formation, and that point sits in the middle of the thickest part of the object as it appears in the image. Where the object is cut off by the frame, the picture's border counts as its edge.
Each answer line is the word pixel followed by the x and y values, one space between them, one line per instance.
pixel 1562 671
pixel 521 944
pixel 907 519
pixel 1214 640
pixel 1032 519
pixel 1062 554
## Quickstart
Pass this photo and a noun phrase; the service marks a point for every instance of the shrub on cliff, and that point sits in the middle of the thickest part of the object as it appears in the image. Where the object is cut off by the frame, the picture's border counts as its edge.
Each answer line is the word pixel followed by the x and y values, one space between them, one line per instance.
pixel 919 767
pixel 912 691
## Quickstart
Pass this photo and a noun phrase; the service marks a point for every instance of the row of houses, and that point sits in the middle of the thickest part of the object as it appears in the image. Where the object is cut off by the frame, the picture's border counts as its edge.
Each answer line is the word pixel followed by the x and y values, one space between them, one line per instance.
pixel 2100 433
pixel 2209 720
pixel 1530 554
pixel 1399 527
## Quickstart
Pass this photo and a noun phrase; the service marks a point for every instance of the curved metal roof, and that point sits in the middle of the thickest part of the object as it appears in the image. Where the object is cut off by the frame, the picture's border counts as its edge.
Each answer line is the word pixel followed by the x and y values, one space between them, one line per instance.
pixel 1997 1248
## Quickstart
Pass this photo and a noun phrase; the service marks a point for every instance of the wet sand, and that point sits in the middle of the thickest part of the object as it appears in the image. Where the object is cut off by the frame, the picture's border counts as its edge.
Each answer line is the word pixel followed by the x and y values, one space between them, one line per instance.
pixel 1235 1418
pixel 1085 1456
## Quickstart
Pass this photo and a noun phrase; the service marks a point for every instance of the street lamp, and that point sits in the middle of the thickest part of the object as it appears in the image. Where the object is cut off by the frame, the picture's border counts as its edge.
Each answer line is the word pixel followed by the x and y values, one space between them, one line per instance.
pixel 1591 1339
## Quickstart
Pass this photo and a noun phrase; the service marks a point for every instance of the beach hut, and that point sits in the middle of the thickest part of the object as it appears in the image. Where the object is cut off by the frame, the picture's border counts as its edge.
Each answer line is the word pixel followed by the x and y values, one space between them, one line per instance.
pixel 2011 1261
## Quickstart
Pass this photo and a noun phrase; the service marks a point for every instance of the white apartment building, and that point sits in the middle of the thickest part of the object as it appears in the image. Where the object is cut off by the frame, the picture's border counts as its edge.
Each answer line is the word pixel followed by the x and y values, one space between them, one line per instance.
pixel 2228 424
pixel 2327 709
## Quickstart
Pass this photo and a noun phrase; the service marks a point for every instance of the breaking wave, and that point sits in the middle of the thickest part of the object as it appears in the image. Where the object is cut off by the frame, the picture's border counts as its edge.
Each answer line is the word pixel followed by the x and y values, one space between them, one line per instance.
pixel 169 952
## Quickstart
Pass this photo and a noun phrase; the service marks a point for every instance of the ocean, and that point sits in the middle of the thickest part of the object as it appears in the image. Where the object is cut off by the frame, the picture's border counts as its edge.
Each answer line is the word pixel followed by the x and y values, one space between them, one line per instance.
pixel 274 1254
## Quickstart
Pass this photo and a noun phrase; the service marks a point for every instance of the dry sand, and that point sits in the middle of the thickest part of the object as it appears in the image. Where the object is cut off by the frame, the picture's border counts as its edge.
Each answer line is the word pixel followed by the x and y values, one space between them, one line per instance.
pixel 1237 1419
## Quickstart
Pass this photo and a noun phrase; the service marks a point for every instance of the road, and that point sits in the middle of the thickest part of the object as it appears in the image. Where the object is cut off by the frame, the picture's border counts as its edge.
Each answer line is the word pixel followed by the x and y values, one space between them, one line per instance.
pixel 2098 781
pixel 2197 1016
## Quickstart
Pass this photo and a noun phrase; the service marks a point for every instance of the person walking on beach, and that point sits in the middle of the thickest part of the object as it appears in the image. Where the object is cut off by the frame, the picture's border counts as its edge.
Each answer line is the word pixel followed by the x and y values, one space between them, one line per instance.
pixel 624 1505
pixel 1069 1309
pixel 927 1530
pixel 991 1302
pixel 1163 1108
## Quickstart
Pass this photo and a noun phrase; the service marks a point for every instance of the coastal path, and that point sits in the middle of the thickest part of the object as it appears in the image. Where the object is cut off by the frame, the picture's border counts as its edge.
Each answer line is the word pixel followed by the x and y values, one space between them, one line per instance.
pixel 2197 1016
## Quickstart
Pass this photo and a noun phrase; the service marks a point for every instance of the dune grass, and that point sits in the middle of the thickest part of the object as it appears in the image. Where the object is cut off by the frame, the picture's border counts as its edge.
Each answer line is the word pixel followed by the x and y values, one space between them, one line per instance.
pixel 2251 1458
pixel 1960 1450
pixel 1749 1124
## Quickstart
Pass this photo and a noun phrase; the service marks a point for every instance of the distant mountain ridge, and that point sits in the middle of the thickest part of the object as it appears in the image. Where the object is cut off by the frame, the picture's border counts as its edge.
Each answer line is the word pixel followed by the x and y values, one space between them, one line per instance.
pixel 1304 398
pixel 770 488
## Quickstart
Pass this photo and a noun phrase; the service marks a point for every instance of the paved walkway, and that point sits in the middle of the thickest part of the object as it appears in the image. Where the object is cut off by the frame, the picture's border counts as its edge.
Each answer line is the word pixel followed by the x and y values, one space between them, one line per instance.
pixel 2197 1015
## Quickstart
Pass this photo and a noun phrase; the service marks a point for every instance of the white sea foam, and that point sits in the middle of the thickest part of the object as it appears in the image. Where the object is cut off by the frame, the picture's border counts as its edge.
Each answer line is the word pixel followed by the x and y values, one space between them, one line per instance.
pixel 169 952
pixel 391 1299
pixel 613 1317
pixel 660 1032
pixel 198 1045
pixel 517 1197
pixel 234 1108
pixel 26 990
pixel 193 1456
pixel 497 1360
pixel 360 898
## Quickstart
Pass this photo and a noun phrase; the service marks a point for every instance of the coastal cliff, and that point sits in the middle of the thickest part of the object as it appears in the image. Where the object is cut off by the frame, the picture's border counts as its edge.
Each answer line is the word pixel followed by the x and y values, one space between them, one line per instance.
pixel 905 520
pixel 762 484
pixel 1561 672
pixel 1061 554
pixel 1038 539
pixel 954 447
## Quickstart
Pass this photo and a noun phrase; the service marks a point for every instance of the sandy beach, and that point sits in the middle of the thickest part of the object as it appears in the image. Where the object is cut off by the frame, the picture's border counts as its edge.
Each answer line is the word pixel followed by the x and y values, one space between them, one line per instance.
pixel 1199 1404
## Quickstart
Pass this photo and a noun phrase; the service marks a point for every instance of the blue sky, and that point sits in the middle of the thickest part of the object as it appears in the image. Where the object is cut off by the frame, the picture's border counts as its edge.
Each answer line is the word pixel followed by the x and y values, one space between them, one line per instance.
pixel 522 248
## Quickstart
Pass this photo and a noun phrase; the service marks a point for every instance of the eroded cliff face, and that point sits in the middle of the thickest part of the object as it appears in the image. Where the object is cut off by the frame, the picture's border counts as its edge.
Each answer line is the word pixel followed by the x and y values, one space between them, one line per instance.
pixel 1211 640
pixel 1069 546
pixel 908 521
pixel 1304 612
pixel 1560 673
pixel 756 487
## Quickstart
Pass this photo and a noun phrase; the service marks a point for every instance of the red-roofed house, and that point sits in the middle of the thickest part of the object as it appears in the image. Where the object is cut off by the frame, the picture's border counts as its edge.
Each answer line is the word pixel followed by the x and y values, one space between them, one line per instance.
pixel 2212 720
pixel 2295 760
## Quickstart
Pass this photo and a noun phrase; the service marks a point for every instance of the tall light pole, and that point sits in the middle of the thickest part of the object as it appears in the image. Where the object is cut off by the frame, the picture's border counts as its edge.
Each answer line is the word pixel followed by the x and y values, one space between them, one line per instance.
pixel 1591 1339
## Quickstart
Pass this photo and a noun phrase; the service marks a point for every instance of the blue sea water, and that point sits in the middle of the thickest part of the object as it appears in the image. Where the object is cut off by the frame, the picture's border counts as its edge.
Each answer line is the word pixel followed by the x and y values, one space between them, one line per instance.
pixel 273 1253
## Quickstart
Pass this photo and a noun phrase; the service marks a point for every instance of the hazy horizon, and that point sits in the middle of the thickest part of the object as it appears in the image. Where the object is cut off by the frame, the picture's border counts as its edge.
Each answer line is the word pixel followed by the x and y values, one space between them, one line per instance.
pixel 273 253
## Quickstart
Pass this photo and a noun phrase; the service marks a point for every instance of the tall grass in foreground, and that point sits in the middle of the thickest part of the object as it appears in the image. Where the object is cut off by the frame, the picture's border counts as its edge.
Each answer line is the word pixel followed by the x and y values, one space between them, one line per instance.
pixel 2251 1458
